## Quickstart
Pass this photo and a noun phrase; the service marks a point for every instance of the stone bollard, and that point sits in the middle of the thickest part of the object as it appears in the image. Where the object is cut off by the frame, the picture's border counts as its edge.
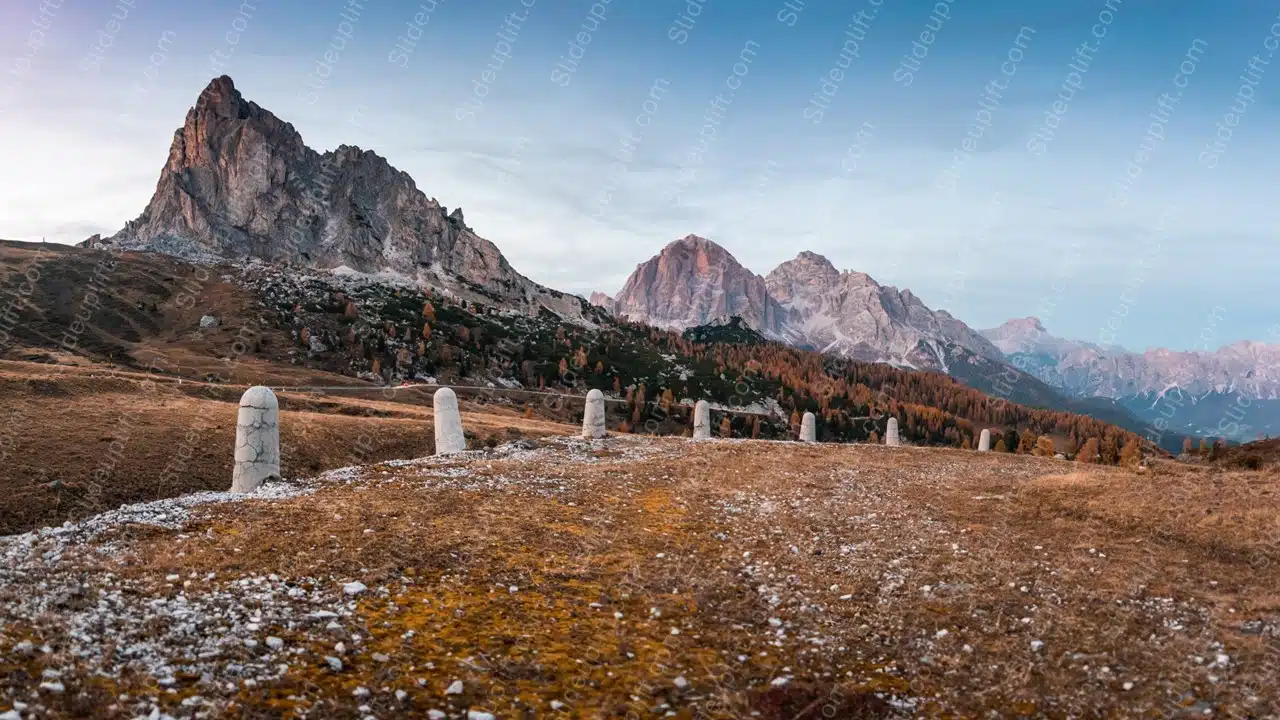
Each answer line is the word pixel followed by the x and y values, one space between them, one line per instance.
pixel 593 426
pixel 808 431
pixel 702 420
pixel 257 440
pixel 449 437
pixel 891 433
pixel 984 441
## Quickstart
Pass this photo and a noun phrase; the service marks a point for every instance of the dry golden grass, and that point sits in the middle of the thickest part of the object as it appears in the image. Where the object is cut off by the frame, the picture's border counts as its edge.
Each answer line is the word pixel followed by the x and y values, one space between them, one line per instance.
pixel 60 425
pixel 880 581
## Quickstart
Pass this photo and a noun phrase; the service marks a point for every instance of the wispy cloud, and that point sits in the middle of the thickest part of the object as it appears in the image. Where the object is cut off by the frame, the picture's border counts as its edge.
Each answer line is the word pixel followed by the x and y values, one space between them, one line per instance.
pixel 84 150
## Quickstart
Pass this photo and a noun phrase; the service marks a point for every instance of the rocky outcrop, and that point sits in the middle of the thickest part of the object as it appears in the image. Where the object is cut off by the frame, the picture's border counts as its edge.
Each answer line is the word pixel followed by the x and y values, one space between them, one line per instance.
pixel 804 301
pixel 851 314
pixel 693 281
pixel 240 182
pixel 601 300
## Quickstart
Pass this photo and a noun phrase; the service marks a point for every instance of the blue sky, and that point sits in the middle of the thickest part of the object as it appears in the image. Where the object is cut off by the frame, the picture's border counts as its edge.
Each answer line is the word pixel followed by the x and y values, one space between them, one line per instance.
pixel 1014 232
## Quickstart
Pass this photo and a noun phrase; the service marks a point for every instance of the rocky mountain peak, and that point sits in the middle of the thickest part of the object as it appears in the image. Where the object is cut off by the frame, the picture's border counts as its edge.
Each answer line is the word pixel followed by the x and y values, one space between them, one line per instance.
pixel 694 281
pixel 1026 324
pixel 1022 335
pixel 805 300
pixel 693 241
pixel 239 182
pixel 221 97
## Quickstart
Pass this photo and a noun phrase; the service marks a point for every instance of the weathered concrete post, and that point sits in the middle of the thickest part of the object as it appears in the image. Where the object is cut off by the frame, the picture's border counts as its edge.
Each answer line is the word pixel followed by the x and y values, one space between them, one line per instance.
pixel 449 437
pixel 593 426
pixel 257 440
pixel 891 433
pixel 984 440
pixel 701 420
pixel 808 428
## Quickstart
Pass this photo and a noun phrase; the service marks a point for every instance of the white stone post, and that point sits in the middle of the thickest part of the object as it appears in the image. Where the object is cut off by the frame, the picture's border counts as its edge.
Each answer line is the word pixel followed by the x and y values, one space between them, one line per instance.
pixel 257 440
pixel 891 433
pixel 593 426
pixel 984 440
pixel 449 437
pixel 702 420
pixel 808 428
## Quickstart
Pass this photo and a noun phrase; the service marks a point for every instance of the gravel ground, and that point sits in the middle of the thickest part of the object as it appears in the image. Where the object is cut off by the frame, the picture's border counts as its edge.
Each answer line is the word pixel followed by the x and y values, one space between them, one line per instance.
pixel 650 578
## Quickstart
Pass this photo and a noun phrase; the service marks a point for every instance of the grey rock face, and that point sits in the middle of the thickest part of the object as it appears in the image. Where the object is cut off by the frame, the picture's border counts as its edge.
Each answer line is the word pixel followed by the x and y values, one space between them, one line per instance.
pixel 694 281
pixel 448 421
pixel 701 420
pixel 808 428
pixel 984 441
pixel 239 182
pixel 257 440
pixel 804 301
pixel 593 425
pixel 208 321
pixel 891 433
pixel 851 314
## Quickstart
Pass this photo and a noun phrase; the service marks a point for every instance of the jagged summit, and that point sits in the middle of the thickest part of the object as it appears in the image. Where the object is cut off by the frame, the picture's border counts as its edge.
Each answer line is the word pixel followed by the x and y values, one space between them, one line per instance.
pixel 808 257
pixel 692 240
pixel 240 182
pixel 694 281
pixel 221 96
pixel 1089 369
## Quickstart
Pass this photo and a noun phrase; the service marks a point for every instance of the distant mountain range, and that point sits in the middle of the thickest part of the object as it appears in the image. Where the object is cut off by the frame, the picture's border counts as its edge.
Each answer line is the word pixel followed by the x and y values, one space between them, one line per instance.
pixel 1233 392
pixel 241 183
pixel 807 302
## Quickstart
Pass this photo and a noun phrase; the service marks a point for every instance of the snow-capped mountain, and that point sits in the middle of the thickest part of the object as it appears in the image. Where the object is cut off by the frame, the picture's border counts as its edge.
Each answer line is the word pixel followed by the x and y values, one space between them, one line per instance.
pixel 1233 391
pixel 1092 370
pixel 240 182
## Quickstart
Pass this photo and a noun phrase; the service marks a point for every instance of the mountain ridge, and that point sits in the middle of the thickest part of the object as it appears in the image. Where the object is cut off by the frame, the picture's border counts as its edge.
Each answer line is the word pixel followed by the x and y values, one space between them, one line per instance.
pixel 1151 370
pixel 805 301
pixel 694 282
pixel 1232 392
pixel 240 182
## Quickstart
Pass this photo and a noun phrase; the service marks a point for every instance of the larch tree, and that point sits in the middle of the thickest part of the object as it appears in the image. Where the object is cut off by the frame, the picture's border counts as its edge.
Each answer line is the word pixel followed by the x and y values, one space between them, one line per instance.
pixel 1089 451
pixel 1044 447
